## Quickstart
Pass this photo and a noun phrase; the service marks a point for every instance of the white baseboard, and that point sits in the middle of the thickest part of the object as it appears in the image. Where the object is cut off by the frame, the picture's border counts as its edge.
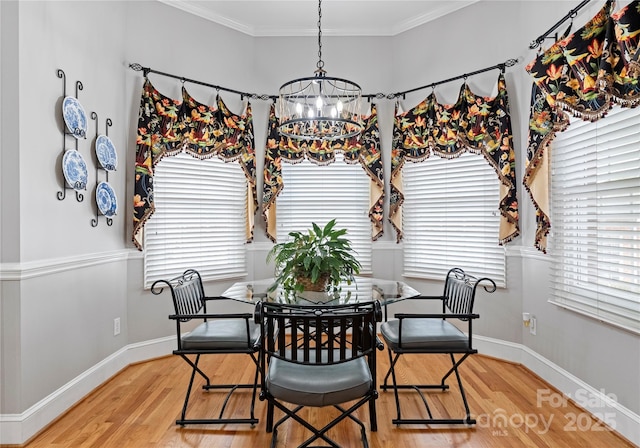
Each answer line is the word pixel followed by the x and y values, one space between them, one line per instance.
pixel 597 402
pixel 16 429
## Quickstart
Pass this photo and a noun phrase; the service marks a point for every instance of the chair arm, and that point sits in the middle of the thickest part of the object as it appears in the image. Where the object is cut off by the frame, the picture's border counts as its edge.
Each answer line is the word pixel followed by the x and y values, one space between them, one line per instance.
pixel 206 299
pixel 258 315
pixel 436 316
pixel 379 344
pixel 427 298
pixel 386 305
pixel 211 316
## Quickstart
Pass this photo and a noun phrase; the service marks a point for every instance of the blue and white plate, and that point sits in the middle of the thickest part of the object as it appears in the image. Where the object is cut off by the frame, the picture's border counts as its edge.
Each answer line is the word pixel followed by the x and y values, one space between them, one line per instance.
pixel 74 117
pixel 106 200
pixel 74 169
pixel 106 153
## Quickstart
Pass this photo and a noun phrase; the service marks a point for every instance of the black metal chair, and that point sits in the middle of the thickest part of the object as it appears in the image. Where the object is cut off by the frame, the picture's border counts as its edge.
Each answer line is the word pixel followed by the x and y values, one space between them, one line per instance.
pixel 434 333
pixel 216 334
pixel 304 367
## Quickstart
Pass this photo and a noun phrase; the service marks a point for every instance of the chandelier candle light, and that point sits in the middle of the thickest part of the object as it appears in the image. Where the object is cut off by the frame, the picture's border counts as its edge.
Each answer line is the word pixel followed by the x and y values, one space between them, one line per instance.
pixel 320 107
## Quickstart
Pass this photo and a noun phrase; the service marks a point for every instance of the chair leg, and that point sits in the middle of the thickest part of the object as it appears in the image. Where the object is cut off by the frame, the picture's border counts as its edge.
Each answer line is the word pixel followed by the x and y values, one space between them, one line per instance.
pixel 233 388
pixel 319 433
pixel 389 372
pixel 194 369
pixel 468 420
pixel 269 425
pixel 293 413
pixel 454 367
pixel 194 365
pixel 373 419
pixel 208 386
pixel 442 386
pixel 392 371
pixel 363 431
pixel 255 386
pixel 274 438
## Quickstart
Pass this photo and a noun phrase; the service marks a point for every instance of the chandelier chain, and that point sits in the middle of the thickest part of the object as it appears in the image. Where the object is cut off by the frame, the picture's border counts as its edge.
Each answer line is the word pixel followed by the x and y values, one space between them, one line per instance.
pixel 320 64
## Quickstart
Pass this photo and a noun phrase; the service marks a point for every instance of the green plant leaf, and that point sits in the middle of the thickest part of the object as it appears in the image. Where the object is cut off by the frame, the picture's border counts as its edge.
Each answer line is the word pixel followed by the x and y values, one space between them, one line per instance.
pixel 314 254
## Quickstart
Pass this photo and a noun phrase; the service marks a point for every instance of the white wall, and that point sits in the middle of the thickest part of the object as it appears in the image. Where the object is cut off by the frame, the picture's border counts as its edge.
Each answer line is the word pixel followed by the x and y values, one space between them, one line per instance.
pixel 63 281
pixel 86 40
pixel 9 141
pixel 61 317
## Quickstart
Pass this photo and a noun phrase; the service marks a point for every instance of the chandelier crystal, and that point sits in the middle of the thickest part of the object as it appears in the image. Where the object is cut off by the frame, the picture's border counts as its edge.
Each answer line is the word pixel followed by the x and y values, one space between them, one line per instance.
pixel 320 107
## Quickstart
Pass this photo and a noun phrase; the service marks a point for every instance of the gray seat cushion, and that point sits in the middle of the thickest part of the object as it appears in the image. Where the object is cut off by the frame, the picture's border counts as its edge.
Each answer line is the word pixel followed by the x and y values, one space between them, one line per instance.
pixel 318 385
pixel 424 334
pixel 222 334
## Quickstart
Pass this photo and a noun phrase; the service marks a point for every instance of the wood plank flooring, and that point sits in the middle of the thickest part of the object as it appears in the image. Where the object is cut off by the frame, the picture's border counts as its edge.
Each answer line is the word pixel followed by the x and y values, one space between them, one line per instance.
pixel 138 408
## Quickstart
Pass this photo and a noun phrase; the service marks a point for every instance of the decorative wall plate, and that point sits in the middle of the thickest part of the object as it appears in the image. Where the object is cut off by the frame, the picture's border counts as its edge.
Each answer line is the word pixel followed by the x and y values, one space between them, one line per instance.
pixel 106 199
pixel 74 169
pixel 106 153
pixel 74 117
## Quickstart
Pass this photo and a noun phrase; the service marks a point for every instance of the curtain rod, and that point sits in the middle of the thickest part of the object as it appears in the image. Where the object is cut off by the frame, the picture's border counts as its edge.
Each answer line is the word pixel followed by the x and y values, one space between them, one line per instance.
pixel 570 15
pixel 507 63
pixel 146 70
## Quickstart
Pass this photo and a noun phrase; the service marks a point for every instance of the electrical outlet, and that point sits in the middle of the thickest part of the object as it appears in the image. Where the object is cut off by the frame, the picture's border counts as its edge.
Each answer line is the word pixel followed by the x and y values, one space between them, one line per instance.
pixel 533 325
pixel 116 326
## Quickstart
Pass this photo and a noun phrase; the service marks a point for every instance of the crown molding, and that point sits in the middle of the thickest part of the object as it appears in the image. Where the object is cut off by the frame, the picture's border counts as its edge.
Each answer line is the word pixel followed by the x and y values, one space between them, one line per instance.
pixel 265 29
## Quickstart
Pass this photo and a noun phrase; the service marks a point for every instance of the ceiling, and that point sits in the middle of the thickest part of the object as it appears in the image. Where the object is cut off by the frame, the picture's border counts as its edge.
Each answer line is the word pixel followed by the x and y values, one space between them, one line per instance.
pixel 339 17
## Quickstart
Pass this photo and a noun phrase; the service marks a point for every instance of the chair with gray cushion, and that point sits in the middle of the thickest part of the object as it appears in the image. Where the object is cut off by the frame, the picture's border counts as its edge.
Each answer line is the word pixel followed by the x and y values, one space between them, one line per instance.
pixel 333 367
pixel 216 334
pixel 435 333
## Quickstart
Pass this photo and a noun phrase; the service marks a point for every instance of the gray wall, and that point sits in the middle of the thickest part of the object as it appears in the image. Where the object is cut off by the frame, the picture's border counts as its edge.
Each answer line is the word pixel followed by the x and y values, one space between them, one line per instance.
pixel 63 281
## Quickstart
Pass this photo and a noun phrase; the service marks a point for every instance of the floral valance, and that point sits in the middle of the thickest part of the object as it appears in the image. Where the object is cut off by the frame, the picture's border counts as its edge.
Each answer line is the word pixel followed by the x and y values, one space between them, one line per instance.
pixel 582 75
pixel 363 148
pixel 167 127
pixel 476 124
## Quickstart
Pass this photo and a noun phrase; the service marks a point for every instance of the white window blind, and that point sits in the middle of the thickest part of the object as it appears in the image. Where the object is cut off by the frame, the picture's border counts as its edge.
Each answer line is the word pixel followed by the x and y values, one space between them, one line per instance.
pixel 318 194
pixel 595 233
pixel 451 218
pixel 199 221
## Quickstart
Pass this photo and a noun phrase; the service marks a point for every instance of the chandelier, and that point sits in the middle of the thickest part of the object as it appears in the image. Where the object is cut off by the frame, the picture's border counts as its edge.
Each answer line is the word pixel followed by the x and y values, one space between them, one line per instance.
pixel 320 107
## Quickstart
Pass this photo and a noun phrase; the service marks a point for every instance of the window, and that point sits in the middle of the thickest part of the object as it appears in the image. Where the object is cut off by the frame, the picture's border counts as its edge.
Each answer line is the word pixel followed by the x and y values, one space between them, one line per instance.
pixel 595 233
pixel 199 221
pixel 318 194
pixel 451 218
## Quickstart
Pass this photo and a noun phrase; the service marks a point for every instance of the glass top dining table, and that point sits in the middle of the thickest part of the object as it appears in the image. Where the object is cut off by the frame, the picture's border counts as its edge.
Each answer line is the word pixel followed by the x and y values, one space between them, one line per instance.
pixel 364 289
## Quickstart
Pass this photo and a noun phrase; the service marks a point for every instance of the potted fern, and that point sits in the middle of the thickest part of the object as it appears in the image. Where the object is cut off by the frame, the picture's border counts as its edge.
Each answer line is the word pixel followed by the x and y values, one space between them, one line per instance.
pixel 319 259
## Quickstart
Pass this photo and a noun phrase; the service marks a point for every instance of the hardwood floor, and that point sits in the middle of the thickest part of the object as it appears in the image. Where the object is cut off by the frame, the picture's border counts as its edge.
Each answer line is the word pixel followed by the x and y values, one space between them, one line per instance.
pixel 138 408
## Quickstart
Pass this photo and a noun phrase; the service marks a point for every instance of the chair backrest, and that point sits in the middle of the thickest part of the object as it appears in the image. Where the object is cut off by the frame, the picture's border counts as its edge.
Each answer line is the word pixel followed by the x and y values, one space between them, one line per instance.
pixel 460 291
pixel 187 292
pixel 319 334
